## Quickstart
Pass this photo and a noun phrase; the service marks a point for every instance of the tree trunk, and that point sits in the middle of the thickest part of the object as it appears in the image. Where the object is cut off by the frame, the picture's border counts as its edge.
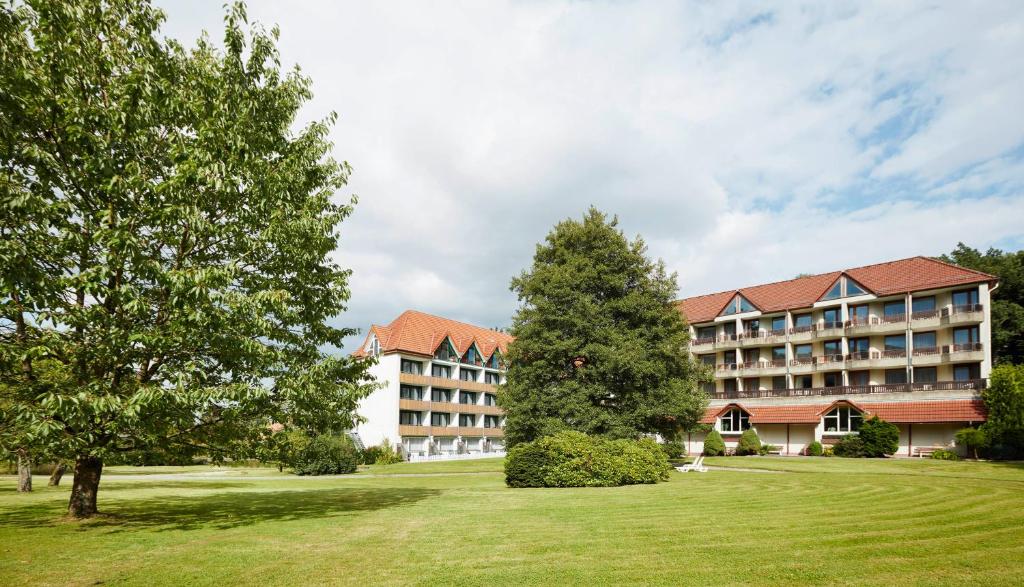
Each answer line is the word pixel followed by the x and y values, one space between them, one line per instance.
pixel 84 487
pixel 24 472
pixel 58 472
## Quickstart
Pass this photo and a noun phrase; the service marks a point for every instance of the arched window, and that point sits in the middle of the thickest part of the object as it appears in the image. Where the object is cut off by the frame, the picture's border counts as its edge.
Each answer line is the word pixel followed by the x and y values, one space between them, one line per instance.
pixel 735 420
pixel 843 419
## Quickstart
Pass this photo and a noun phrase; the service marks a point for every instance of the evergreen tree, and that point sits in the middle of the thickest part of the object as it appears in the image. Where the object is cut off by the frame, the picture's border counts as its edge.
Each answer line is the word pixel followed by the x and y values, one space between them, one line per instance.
pixel 599 346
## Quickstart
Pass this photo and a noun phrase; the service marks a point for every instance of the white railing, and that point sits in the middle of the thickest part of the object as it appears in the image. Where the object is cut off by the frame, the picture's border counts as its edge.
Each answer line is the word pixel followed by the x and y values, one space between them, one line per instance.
pixel 456 456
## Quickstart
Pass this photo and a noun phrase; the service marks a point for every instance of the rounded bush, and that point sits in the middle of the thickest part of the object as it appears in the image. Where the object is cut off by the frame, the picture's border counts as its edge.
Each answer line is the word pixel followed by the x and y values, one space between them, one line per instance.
pixel 814 449
pixel 327 455
pixel 713 444
pixel 849 446
pixel 674 449
pixel 879 438
pixel 573 459
pixel 749 443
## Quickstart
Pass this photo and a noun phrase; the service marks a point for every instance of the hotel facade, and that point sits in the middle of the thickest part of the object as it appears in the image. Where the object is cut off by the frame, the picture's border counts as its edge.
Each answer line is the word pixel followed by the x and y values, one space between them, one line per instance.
pixel 811 358
pixel 438 387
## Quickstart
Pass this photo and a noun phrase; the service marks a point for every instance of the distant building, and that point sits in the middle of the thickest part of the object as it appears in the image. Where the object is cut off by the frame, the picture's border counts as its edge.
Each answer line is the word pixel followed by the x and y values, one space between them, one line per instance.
pixel 811 358
pixel 439 394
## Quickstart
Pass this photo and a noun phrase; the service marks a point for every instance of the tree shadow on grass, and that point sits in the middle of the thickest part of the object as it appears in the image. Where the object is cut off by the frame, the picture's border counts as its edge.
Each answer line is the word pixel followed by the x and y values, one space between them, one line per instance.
pixel 222 511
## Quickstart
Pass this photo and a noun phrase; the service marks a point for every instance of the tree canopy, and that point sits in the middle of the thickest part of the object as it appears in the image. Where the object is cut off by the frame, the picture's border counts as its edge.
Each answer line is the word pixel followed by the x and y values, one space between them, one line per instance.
pixel 599 346
pixel 166 277
pixel 1007 299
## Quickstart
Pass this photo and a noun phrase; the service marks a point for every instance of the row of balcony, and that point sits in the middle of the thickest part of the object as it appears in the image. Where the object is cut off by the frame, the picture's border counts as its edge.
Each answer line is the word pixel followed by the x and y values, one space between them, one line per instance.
pixel 448 407
pixel 405 430
pixel 968 385
pixel 445 383
pixel 949 316
pixel 878 359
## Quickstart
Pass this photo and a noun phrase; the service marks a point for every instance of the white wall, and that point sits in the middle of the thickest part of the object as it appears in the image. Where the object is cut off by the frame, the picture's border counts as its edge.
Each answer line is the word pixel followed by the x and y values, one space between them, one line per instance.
pixel 380 409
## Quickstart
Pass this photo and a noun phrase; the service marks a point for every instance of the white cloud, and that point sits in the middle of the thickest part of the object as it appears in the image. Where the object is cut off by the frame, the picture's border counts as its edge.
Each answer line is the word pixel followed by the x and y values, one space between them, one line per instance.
pixel 746 142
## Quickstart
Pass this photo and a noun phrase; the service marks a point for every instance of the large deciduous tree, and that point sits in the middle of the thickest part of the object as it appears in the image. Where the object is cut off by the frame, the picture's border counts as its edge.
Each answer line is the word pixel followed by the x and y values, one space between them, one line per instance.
pixel 599 347
pixel 166 279
pixel 1007 299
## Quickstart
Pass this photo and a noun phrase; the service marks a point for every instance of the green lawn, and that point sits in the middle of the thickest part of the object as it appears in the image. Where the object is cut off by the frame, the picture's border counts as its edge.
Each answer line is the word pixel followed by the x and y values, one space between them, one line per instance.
pixel 836 521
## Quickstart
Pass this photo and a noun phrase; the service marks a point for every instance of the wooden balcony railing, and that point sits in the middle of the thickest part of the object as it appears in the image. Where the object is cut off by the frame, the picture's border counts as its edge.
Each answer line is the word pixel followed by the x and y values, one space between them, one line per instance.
pixel 413 379
pixel 968 385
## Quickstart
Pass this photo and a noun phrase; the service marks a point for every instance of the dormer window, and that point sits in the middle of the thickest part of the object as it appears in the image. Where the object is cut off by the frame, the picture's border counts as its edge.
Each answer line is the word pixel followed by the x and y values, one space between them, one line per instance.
pixel 445 351
pixel 472 356
pixel 373 346
pixel 843 419
pixel 844 287
pixel 738 305
pixel 495 361
pixel 735 420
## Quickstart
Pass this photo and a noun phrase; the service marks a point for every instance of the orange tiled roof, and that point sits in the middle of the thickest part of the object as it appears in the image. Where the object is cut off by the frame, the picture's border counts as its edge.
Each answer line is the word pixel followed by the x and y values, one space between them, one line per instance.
pixel 420 333
pixel 882 279
pixel 914 412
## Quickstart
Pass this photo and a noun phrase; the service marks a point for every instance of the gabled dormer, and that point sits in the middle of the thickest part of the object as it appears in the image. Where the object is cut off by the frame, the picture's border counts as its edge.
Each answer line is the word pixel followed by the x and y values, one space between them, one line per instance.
pixel 372 347
pixel 737 305
pixel 844 287
pixel 496 361
pixel 472 355
pixel 446 351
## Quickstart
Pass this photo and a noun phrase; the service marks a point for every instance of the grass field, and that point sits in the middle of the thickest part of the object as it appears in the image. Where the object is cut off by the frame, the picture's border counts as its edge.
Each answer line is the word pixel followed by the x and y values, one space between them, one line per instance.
pixel 810 521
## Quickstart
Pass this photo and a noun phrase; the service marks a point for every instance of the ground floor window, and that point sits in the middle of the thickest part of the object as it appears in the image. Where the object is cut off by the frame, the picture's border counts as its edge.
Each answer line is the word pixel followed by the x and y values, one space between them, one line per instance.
pixel 735 420
pixel 842 419
pixel 925 375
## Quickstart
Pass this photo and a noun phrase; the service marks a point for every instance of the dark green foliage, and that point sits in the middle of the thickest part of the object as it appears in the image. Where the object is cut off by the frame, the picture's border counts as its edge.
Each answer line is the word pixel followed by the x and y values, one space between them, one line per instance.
pixel 327 454
pixel 945 455
pixel 714 446
pixel 814 449
pixel 1004 401
pixel 382 454
pixel 674 449
pixel 849 446
pixel 166 240
pixel 573 459
pixel 972 439
pixel 749 443
pixel 879 438
pixel 768 449
pixel 1007 300
pixel 599 346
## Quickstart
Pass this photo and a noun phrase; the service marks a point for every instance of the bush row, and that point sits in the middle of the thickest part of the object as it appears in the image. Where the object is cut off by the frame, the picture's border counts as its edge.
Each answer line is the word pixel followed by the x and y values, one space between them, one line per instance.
pixel 573 459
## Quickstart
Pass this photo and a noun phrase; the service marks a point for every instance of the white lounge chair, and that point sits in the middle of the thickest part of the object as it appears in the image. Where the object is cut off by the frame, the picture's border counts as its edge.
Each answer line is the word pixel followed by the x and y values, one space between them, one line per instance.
pixel 696 465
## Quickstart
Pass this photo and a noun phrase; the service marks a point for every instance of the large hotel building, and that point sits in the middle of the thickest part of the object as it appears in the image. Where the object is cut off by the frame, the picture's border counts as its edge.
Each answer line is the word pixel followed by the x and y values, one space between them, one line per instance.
pixel 811 358
pixel 800 360
pixel 438 395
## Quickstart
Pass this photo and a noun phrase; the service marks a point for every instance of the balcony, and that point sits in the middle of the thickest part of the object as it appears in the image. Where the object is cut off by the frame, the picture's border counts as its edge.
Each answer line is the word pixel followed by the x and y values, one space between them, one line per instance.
pixel 412 379
pixel 801 333
pixel 829 363
pixel 702 344
pixel 859 359
pixel 925 356
pixel 756 368
pixel 801 365
pixel 969 385
pixel 963 314
pixel 889 358
pixel 474 409
pixel 413 404
pixel 726 368
pixel 405 430
pixel 494 432
pixel 954 353
pixel 727 341
pixel 450 431
pixel 830 329
pixel 925 319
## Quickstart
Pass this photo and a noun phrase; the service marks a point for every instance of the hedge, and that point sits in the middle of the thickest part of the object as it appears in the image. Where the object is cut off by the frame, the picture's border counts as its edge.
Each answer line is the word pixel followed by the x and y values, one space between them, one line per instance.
pixel 573 459
pixel 327 455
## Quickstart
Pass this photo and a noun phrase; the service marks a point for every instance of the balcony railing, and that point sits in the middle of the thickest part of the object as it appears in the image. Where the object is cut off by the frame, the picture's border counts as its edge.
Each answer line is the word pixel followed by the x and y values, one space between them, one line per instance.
pixel 925 314
pixel 963 347
pixel 808 360
pixel 963 309
pixel 702 341
pixel 894 353
pixel 893 318
pixel 929 350
pixel 968 385
pixel 858 356
pixel 801 329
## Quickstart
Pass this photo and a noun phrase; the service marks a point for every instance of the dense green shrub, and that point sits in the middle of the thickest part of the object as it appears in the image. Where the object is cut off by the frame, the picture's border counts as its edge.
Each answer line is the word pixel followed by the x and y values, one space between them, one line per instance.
pixel 849 446
pixel 327 455
pixel 573 459
pixel 879 438
pixel 1004 400
pixel 674 449
pixel 382 454
pixel 749 443
pixel 943 454
pixel 828 452
pixel 814 449
pixel 768 449
pixel 713 444
pixel 972 439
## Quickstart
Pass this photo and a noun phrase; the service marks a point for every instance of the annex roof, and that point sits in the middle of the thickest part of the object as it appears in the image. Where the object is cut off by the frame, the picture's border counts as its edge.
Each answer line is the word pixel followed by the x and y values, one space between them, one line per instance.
pixel 421 333
pixel 902 412
pixel 881 279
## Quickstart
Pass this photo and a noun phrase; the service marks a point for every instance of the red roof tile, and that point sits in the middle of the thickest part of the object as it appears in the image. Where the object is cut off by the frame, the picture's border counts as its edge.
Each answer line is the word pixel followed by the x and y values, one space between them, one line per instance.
pixel 882 279
pixel 421 334
pixel 915 412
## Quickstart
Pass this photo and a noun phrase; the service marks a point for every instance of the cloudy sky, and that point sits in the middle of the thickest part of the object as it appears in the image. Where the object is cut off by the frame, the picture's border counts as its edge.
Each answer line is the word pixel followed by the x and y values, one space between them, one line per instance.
pixel 745 143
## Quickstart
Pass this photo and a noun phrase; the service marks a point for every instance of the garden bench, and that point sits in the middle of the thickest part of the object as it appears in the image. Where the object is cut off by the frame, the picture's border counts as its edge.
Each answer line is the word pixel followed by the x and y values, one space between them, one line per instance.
pixel 925 451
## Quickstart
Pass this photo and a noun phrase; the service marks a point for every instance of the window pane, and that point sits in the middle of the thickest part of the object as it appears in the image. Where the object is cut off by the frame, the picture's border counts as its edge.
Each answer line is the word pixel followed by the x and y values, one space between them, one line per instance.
pixel 965 297
pixel 779 323
pixel 834 293
pixel 802 320
pixel 924 340
pixel 859 314
pixel 894 308
pixel 779 353
pixel 895 342
pixel 893 376
pixel 925 375
pixel 746 306
pixel 852 289
pixel 860 378
pixel 779 382
pixel 802 350
pixel 923 304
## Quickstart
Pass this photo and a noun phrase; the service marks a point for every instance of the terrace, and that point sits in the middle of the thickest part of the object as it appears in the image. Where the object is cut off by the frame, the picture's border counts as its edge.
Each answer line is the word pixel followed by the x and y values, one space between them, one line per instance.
pixel 968 385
